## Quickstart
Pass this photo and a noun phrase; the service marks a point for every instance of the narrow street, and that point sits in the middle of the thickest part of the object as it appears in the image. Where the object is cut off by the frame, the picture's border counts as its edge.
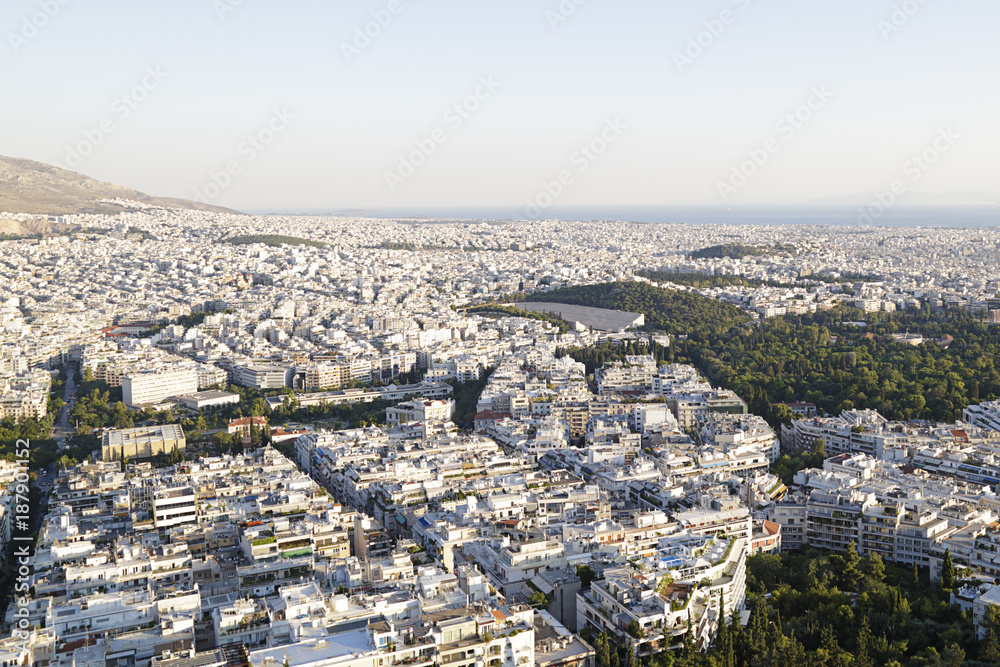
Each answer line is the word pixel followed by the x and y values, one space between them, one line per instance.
pixel 62 429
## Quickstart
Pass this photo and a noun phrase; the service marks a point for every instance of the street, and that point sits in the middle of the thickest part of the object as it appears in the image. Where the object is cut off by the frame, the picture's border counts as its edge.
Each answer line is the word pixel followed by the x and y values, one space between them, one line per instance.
pixel 62 429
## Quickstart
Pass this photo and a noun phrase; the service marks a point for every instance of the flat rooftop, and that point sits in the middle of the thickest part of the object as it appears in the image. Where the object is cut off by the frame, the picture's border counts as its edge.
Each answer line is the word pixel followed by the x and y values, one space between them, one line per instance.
pixel 143 434
pixel 314 651
pixel 210 394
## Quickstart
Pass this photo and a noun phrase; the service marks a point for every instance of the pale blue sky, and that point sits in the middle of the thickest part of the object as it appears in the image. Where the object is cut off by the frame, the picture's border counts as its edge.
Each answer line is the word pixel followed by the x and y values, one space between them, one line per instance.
pixel 686 130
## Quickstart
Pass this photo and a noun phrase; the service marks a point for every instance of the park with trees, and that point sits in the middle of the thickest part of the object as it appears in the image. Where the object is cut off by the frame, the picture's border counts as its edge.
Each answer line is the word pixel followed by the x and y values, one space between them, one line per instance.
pixel 837 359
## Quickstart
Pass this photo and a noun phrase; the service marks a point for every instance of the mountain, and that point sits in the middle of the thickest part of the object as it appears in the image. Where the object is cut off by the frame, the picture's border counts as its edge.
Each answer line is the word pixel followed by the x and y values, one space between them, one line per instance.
pixel 27 186
pixel 36 227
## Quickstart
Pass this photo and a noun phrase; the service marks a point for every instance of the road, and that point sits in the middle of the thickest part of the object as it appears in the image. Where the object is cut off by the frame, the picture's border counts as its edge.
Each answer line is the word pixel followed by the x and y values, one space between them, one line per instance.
pixel 46 480
pixel 62 429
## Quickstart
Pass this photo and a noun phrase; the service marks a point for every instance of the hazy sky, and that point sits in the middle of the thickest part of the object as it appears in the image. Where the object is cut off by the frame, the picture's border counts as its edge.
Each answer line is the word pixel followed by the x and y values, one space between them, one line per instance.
pixel 666 122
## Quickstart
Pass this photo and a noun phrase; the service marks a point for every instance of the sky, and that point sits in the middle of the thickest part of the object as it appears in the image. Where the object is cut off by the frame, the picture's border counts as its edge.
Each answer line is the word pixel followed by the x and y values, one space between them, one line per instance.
pixel 523 103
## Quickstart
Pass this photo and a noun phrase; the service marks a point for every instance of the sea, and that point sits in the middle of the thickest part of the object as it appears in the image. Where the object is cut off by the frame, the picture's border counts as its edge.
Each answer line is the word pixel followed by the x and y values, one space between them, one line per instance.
pixel 912 216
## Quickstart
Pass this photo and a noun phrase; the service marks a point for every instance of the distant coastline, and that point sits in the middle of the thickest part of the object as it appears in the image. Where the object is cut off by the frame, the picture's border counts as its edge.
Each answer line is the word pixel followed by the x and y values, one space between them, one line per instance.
pixel 847 216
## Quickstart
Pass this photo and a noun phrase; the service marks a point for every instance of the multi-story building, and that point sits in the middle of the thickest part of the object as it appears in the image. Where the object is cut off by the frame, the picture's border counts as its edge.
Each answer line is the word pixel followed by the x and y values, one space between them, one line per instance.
pixel 740 433
pixel 790 514
pixel 419 410
pixel 688 407
pixel 728 517
pixel 173 506
pixel 142 443
pixel 25 395
pixel 985 415
pixel 634 374
pixel 836 518
pixel 509 565
pixel 263 376
pixel 322 376
pixel 681 588
pixel 146 387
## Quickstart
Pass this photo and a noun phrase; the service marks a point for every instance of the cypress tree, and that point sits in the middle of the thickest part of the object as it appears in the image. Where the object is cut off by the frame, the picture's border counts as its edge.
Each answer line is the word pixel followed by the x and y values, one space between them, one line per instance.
pixel 828 640
pixel 724 642
pixel 862 657
pixel 947 571
pixel 602 650
pixel 757 628
pixel 990 648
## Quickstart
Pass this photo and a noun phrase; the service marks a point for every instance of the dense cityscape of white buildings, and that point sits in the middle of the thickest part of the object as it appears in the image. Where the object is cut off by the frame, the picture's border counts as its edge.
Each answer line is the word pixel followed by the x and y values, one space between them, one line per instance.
pixel 412 541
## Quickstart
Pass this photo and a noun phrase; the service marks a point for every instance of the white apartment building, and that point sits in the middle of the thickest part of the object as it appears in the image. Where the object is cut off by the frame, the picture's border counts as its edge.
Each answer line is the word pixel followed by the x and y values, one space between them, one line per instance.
pixel 682 583
pixel 636 373
pixel 730 518
pixel 646 417
pixel 320 376
pixel 740 433
pixel 25 396
pixel 209 376
pixel 262 376
pixel 419 410
pixel 985 415
pixel 832 520
pixel 174 506
pixel 154 386
pixel 510 564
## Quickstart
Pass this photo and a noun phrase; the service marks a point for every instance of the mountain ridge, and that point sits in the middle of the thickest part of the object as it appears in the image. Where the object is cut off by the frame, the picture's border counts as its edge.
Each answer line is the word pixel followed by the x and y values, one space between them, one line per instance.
pixel 36 188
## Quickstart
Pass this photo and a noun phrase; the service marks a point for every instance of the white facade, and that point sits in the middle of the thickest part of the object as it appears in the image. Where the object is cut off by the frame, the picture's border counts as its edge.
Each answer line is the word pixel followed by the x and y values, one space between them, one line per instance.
pixel 153 387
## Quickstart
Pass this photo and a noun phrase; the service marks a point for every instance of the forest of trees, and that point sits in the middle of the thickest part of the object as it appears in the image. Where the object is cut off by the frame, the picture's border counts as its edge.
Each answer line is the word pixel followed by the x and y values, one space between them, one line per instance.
pixel 739 251
pixel 823 358
pixel 37 431
pixel 705 281
pixel 273 240
pixel 99 404
pixel 679 313
pixel 552 318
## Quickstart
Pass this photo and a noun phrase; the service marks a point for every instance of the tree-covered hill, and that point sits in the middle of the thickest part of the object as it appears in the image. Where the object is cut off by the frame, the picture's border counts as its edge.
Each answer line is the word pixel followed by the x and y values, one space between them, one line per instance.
pixel 739 251
pixel 678 313
pixel 273 240
pixel 705 281
pixel 823 357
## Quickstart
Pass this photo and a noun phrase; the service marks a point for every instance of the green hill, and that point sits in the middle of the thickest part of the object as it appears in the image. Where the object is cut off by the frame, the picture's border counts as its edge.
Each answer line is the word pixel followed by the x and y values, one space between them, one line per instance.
pixel 817 357
pixel 677 313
